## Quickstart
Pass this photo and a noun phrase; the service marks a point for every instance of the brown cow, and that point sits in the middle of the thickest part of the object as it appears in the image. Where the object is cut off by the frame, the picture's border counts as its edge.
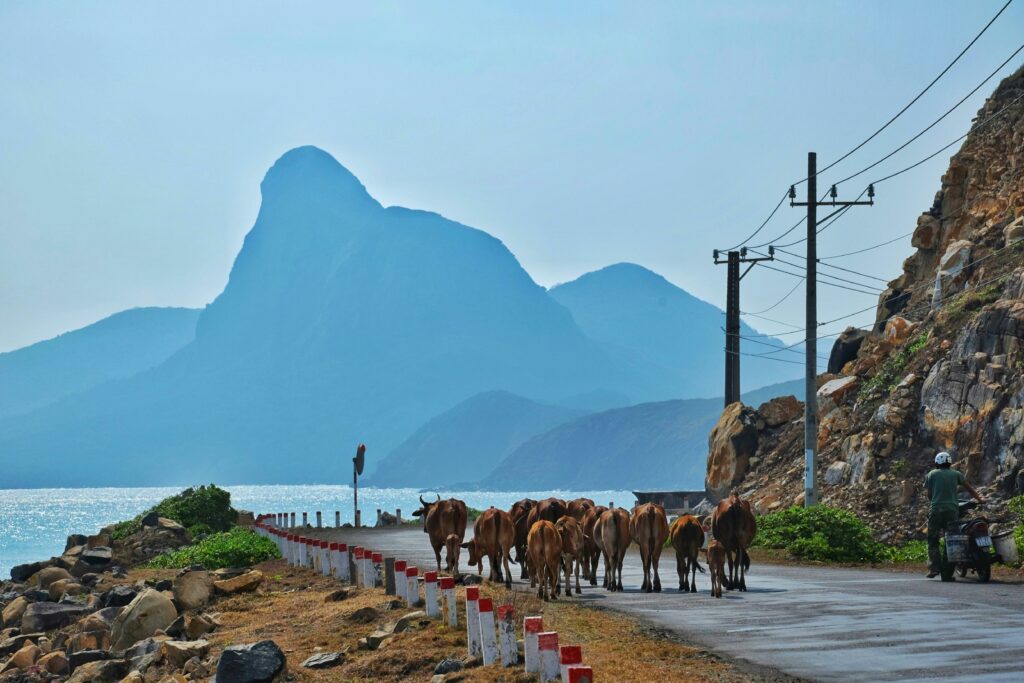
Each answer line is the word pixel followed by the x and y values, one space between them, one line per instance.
pixel 716 565
pixel 545 549
pixel 571 535
pixel 520 513
pixel 591 551
pixel 649 528
pixel 452 552
pixel 549 509
pixel 578 508
pixel 612 534
pixel 734 526
pixel 493 535
pixel 687 540
pixel 441 519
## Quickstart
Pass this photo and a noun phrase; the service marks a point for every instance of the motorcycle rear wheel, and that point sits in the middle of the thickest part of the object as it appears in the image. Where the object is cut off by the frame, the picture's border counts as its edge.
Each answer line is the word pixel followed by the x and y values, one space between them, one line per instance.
pixel 984 569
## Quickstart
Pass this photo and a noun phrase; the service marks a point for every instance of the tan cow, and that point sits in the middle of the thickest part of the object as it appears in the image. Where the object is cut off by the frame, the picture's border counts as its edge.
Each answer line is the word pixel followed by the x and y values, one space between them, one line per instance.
pixel 441 519
pixel 716 565
pixel 591 551
pixel 520 512
pixel 571 535
pixel 549 509
pixel 734 526
pixel 493 535
pixel 612 534
pixel 544 547
pixel 649 528
pixel 687 539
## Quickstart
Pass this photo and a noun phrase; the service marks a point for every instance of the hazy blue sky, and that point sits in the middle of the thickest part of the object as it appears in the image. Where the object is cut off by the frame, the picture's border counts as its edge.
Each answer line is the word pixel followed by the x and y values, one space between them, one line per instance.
pixel 133 136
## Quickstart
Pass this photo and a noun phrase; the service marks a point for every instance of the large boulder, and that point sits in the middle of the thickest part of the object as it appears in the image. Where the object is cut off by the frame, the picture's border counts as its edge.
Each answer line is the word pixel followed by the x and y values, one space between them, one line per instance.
pixel 831 394
pixel 118 596
pixel 845 348
pixel 22 572
pixel 23 658
pixel 261 662
pixel 149 612
pixel 193 589
pixel 245 583
pixel 102 671
pixel 733 441
pixel 780 410
pixel 14 610
pixel 44 577
pixel 955 260
pixel 177 652
pixel 46 616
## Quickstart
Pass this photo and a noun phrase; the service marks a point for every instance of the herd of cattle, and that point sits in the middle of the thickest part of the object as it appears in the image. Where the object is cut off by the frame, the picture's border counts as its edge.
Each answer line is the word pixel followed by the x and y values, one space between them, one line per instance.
pixel 554 536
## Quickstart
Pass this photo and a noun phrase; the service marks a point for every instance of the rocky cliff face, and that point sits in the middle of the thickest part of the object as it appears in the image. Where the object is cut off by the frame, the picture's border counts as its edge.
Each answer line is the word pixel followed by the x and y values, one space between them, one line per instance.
pixel 941 368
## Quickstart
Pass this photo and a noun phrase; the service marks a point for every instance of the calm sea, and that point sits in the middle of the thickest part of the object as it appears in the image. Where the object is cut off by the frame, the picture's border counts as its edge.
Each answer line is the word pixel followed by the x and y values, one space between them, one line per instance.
pixel 35 523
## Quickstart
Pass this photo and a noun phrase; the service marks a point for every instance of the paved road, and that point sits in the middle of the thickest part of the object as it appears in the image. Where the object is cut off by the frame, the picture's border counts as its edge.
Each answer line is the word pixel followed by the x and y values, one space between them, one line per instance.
pixel 817 623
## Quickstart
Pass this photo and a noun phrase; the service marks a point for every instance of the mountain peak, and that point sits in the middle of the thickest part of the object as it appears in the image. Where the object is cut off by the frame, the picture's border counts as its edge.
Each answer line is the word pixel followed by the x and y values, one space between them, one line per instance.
pixel 620 275
pixel 308 171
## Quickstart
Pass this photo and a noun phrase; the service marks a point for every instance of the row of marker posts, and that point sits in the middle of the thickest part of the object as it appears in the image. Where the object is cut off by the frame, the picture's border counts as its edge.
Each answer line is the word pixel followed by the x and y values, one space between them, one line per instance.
pixel 286 520
pixel 491 639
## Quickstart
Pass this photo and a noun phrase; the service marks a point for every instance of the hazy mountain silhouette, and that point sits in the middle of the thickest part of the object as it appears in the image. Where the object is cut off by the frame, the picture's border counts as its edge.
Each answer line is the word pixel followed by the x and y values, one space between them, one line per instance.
pixel 465 443
pixel 341 322
pixel 663 332
pixel 116 347
pixel 602 450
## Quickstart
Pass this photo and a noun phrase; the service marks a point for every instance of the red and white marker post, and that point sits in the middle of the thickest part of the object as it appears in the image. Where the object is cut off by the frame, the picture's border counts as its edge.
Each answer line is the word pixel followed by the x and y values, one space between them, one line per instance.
pixel 401 585
pixel 325 558
pixel 430 594
pixel 547 643
pixel 412 576
pixel 357 556
pixel 532 627
pixel 580 674
pixel 473 620
pixel 369 575
pixel 377 563
pixel 451 609
pixel 507 635
pixel 569 655
pixel 488 640
pixel 344 566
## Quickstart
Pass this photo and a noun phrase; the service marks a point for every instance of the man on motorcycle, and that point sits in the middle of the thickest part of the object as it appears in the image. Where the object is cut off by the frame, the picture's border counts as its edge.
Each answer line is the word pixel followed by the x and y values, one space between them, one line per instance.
pixel 942 484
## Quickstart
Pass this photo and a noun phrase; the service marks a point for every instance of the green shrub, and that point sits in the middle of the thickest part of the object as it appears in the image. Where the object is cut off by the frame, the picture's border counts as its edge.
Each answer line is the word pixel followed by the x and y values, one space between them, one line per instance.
pixel 819 533
pixel 200 510
pixel 236 548
pixel 912 552
pixel 1016 506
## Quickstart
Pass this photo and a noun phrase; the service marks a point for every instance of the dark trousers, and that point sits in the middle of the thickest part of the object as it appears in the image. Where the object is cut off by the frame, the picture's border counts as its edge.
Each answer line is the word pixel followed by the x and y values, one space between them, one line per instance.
pixel 938 520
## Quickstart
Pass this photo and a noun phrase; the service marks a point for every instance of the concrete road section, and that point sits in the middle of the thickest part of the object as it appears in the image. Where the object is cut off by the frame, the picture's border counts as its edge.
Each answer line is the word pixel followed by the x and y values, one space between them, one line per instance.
pixel 816 623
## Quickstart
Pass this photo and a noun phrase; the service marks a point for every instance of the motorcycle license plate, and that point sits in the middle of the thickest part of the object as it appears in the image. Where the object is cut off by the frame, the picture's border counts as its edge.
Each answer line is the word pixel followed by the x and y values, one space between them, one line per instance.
pixel 984 541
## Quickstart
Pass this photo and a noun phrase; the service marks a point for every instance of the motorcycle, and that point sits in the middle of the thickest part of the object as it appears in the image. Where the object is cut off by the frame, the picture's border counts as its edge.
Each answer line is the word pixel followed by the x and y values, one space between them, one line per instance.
pixel 969 546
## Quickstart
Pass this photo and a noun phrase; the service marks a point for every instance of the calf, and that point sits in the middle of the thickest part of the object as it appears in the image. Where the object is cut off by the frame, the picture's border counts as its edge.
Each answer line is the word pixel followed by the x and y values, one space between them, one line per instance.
pixel 544 548
pixel 493 536
pixel 591 551
pixel 716 565
pixel 612 532
pixel 649 528
pixel 451 558
pixel 571 536
pixel 733 524
pixel 687 539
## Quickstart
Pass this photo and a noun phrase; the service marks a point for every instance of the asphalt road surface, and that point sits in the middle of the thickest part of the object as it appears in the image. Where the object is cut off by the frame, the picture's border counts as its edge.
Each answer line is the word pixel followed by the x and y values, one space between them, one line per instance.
pixel 810 622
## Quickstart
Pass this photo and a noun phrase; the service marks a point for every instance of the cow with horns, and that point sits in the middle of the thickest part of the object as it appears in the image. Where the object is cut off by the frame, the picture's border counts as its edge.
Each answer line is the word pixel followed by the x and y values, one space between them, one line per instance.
pixel 444 521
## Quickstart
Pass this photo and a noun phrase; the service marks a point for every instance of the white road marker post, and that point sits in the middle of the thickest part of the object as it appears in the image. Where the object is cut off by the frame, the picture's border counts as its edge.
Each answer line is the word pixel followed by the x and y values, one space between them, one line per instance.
pixel 473 620
pixel 357 566
pixel 580 674
pixel 413 588
pixel 488 640
pixel 377 559
pixel 401 585
pixel 547 642
pixel 344 571
pixel 430 594
pixel 507 635
pixel 569 655
pixel 369 575
pixel 451 608
pixel 532 627
pixel 325 558
pixel 319 519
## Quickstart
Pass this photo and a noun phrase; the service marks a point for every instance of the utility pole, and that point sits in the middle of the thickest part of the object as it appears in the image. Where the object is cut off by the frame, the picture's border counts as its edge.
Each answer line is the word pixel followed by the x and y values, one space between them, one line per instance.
pixel 732 316
pixel 811 332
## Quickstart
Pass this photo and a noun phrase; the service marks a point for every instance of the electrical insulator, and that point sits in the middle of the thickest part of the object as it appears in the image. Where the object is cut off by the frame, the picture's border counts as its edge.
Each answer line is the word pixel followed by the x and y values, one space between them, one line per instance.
pixel 792 192
pixel 743 252
pixel 771 251
pixel 716 254
pixel 871 191
pixel 832 193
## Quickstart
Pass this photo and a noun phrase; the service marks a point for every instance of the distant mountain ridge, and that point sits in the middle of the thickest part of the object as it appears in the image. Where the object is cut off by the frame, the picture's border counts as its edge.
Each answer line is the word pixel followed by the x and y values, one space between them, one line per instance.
pixel 116 347
pixel 342 322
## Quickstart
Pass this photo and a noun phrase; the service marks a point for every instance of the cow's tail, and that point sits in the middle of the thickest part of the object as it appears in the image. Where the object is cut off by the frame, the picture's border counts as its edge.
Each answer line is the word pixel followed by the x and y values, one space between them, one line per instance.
pixel 498 523
pixel 696 563
pixel 745 559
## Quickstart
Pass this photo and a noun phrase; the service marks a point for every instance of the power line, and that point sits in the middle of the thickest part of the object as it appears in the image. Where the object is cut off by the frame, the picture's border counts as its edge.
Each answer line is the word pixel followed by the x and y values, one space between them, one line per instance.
pixel 861 251
pixel 829 265
pixel 834 277
pixel 760 227
pixel 920 94
pixel 773 320
pixel 777 360
pixel 786 296
pixel 933 123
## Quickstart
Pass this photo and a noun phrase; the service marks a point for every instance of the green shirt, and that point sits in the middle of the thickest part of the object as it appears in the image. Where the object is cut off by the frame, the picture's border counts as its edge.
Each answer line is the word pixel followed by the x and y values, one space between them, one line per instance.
pixel 942 485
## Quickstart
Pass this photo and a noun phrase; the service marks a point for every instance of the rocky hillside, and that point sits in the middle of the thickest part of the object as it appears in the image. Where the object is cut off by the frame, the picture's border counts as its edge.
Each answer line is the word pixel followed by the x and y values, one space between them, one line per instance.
pixel 940 369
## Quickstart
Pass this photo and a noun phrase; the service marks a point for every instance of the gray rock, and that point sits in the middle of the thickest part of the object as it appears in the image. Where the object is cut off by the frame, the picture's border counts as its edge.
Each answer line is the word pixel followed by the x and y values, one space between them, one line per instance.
pixel 77 659
pixel 837 473
pixel 324 660
pixel 406 621
pixel 97 557
pixel 22 572
pixel 118 596
pixel 447 666
pixel 46 616
pixel 148 613
pixel 255 663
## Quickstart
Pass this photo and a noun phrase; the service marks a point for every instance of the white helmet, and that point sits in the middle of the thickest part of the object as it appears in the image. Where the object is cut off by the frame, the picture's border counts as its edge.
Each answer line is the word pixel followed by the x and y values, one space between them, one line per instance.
pixel 943 458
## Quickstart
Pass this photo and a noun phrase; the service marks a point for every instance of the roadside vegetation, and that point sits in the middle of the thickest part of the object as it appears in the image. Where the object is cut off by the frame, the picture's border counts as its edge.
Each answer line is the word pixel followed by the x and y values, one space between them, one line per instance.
pixel 1016 507
pixel 819 534
pixel 200 510
pixel 235 548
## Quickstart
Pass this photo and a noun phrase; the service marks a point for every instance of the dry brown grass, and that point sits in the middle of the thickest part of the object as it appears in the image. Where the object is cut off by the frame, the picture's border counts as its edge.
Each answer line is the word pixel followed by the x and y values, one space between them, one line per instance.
pixel 291 610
